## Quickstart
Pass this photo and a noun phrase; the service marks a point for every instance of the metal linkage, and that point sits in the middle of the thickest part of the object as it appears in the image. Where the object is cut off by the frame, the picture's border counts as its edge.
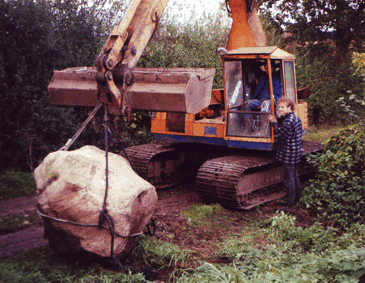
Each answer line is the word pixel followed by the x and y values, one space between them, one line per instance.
pixel 74 138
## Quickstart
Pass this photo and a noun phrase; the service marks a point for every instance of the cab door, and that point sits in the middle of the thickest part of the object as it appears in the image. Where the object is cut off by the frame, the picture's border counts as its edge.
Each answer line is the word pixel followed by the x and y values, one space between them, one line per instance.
pixel 240 82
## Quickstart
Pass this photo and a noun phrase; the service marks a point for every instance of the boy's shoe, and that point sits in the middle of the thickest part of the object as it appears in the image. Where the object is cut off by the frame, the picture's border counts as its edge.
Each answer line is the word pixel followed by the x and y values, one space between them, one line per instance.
pixel 285 208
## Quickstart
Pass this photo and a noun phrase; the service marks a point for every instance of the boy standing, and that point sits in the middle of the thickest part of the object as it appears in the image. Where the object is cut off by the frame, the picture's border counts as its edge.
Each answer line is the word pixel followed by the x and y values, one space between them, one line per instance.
pixel 288 131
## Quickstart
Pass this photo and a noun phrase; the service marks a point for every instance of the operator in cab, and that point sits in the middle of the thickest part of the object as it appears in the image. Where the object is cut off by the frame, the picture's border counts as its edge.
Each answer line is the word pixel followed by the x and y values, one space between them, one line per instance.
pixel 288 131
pixel 261 96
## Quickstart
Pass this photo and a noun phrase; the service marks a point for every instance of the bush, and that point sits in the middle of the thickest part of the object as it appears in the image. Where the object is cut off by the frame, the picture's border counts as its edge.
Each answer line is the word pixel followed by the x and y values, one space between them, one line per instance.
pixel 329 80
pixel 337 192
pixel 190 44
pixel 16 184
pixel 37 37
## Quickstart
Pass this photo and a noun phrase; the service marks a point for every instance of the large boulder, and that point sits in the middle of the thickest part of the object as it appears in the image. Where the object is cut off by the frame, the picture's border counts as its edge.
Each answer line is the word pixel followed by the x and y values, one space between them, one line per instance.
pixel 72 188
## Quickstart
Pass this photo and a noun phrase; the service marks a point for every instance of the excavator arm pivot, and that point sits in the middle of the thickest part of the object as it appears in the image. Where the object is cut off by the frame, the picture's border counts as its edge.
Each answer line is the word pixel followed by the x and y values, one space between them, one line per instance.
pixel 123 49
pixel 117 82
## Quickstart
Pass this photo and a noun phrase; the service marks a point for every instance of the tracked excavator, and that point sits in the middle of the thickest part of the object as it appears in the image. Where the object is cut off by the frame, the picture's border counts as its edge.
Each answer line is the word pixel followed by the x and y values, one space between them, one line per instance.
pixel 204 133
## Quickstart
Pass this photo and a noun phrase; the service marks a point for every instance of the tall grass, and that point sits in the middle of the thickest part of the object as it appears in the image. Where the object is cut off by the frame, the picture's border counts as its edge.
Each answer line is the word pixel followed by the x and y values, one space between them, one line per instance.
pixel 279 251
pixel 271 250
pixel 320 134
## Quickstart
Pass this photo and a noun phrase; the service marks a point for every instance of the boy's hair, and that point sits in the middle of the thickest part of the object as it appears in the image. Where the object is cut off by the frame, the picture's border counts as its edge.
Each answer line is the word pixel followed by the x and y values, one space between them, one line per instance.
pixel 288 101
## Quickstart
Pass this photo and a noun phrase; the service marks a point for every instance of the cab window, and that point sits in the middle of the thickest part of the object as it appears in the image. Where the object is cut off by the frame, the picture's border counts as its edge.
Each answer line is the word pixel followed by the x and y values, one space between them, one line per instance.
pixel 290 80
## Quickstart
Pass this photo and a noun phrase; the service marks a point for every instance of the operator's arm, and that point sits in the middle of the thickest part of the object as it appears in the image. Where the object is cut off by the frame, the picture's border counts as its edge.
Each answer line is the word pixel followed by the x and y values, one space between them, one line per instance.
pixel 277 86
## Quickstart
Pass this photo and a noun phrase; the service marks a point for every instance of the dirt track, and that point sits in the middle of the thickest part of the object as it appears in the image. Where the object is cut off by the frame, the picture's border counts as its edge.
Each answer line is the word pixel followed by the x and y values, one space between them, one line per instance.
pixel 28 238
pixel 170 225
pixel 168 211
pixel 21 205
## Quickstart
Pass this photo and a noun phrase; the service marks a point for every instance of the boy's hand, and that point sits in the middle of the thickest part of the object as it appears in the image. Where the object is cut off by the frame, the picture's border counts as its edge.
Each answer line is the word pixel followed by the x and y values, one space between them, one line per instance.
pixel 272 118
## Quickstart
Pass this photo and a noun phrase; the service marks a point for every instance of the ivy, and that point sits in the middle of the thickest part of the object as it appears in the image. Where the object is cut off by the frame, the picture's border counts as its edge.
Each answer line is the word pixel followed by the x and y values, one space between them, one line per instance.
pixel 337 192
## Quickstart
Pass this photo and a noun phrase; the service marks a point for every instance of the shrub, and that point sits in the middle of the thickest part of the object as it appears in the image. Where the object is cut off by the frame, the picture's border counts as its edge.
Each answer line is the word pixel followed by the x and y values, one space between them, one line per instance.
pixel 329 80
pixel 122 134
pixel 337 192
pixel 37 37
pixel 16 184
pixel 189 44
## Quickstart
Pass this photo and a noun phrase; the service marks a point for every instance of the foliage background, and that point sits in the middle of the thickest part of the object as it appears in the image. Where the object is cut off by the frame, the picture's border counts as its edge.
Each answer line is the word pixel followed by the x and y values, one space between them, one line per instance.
pixel 35 39
pixel 38 37
pixel 324 37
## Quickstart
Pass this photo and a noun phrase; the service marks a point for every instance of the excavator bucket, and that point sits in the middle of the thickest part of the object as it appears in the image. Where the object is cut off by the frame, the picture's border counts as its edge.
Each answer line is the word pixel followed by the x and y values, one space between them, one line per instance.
pixel 186 90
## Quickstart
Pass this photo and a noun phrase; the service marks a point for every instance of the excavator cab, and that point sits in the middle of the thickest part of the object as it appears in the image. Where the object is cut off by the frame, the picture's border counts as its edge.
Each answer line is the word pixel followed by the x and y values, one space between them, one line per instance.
pixel 255 78
pixel 237 117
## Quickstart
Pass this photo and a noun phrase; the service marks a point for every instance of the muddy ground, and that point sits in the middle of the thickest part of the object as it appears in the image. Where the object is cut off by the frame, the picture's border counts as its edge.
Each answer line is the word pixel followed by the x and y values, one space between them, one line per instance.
pixel 171 226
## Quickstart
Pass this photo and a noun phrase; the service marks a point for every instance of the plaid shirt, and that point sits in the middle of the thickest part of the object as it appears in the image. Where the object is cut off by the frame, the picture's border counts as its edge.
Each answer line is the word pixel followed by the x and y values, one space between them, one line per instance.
pixel 288 132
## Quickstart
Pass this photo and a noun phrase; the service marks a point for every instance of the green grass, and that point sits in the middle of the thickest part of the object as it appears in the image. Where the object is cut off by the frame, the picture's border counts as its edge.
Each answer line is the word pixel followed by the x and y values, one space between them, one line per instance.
pixel 321 134
pixel 199 213
pixel 43 265
pixel 16 184
pixel 270 250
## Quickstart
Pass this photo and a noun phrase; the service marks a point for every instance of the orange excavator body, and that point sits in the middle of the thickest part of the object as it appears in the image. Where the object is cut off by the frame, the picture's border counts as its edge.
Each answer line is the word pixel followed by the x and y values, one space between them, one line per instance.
pixel 200 143
pixel 243 31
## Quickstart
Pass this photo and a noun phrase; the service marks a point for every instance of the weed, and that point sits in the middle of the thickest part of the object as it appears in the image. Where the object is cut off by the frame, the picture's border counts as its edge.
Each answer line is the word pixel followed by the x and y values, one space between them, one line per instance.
pixel 288 254
pixel 199 213
pixel 157 255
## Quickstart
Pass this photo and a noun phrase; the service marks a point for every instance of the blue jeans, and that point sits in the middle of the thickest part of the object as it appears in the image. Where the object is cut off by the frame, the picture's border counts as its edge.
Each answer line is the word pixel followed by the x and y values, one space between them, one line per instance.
pixel 291 183
pixel 254 103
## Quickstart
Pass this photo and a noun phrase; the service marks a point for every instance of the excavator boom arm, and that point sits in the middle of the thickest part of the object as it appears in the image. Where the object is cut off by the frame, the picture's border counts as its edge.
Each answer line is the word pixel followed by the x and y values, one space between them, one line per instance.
pixel 128 40
pixel 121 87
pixel 124 47
pixel 246 28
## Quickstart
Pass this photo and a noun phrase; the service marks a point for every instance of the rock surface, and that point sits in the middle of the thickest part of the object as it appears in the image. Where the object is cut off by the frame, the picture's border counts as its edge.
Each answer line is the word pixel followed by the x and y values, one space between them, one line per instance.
pixel 72 188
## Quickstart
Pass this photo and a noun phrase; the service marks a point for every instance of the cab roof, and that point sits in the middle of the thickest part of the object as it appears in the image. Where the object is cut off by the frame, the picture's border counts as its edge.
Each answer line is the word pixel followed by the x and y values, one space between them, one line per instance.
pixel 273 51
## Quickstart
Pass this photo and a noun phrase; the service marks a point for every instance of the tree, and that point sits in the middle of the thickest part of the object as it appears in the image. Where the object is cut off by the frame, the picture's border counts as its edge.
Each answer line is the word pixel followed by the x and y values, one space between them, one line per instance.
pixel 190 44
pixel 321 34
pixel 37 37
pixel 341 22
